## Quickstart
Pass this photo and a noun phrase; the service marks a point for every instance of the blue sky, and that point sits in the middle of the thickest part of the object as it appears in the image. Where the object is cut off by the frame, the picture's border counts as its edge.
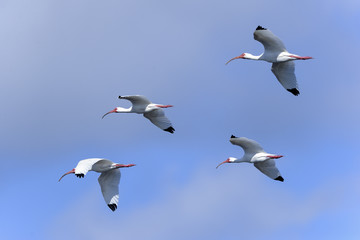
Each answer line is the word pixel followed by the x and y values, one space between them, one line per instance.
pixel 63 64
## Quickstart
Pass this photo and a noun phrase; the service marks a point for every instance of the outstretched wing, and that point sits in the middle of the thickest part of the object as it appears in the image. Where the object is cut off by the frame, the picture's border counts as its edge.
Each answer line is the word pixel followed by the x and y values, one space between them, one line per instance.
pixel 285 74
pixel 158 118
pixel 270 41
pixel 86 165
pixel 249 146
pixel 136 99
pixel 139 103
pixel 109 183
pixel 269 169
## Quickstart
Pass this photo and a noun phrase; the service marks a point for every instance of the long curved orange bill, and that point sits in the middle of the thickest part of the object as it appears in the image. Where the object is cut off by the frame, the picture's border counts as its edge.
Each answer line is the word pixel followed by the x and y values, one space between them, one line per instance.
pixel 231 60
pixel 72 171
pixel 112 111
pixel 241 56
pixel 226 161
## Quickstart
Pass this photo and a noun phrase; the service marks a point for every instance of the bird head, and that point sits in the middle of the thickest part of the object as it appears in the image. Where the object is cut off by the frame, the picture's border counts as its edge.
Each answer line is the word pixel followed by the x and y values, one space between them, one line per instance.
pixel 115 110
pixel 229 160
pixel 72 171
pixel 243 56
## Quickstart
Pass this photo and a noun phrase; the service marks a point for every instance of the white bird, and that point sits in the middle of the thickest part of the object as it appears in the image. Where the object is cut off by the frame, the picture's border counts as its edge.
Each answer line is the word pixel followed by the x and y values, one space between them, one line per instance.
pixel 275 52
pixel 151 111
pixel 254 153
pixel 109 178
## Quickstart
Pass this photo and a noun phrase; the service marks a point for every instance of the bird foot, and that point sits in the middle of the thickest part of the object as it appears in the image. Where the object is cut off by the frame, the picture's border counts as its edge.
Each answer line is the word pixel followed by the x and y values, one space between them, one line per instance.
pixel 304 58
pixel 300 58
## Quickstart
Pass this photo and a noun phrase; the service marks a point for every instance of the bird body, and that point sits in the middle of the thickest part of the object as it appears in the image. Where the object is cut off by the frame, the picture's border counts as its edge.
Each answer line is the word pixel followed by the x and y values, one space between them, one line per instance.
pixel 93 164
pixel 254 153
pixel 153 112
pixel 109 178
pixel 276 53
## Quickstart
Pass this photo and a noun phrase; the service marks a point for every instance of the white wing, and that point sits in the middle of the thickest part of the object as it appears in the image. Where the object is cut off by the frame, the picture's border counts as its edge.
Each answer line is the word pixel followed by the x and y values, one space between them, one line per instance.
pixel 249 146
pixel 139 103
pixel 109 183
pixel 270 41
pixel 86 165
pixel 269 169
pixel 136 100
pixel 285 74
pixel 158 118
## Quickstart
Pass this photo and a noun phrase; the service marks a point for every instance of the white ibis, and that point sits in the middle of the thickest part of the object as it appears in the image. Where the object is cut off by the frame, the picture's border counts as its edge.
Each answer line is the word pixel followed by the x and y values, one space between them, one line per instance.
pixel 153 112
pixel 275 52
pixel 109 178
pixel 254 153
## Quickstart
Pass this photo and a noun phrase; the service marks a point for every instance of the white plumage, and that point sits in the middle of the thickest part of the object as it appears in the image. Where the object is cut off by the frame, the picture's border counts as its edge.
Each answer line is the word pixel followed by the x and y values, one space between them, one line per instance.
pixel 109 178
pixel 153 112
pixel 254 153
pixel 275 52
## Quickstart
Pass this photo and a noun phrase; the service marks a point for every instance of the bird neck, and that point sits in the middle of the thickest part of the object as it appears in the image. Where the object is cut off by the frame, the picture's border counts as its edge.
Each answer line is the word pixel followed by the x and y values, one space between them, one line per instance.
pixel 123 110
pixel 240 160
pixel 252 57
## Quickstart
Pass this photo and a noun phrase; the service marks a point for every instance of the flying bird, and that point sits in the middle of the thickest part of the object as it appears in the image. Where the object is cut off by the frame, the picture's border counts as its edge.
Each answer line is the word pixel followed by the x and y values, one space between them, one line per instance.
pixel 153 112
pixel 254 153
pixel 109 178
pixel 275 52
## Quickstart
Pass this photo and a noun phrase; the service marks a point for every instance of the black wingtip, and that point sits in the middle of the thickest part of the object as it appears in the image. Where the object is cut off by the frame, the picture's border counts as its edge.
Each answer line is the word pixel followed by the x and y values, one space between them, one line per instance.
pixel 294 91
pixel 170 130
pixel 113 207
pixel 279 178
pixel 119 97
pixel 81 175
pixel 232 136
pixel 260 28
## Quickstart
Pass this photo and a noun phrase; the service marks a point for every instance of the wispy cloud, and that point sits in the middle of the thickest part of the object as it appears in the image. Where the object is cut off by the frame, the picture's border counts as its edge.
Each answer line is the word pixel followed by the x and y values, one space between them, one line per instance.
pixel 208 206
